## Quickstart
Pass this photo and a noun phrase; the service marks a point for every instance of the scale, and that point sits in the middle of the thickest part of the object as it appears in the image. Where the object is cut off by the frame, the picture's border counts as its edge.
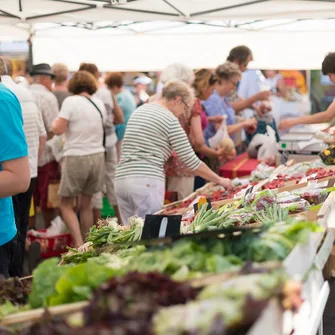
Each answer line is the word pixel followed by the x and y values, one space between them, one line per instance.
pixel 301 141
pixel 309 128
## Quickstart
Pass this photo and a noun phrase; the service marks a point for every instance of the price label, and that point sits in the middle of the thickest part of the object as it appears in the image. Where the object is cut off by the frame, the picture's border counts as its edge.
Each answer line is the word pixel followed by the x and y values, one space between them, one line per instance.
pixel 160 226
pixel 284 157
pixel 312 184
pixel 303 180
pixel 249 190
pixel 202 201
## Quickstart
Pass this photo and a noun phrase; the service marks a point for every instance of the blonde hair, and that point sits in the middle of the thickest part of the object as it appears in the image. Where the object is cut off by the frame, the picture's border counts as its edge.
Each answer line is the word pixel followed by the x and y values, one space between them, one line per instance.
pixel 201 82
pixel 177 71
pixel 177 88
pixel 227 71
pixel 61 72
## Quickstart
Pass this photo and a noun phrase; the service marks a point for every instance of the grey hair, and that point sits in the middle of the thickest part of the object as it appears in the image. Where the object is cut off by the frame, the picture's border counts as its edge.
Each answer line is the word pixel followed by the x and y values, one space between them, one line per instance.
pixel 177 88
pixel 178 71
pixel 227 71
pixel 37 78
pixel 3 67
pixel 61 72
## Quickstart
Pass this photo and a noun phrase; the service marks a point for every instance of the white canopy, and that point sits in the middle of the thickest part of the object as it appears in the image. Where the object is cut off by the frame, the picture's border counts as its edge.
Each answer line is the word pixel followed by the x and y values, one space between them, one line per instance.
pixel 272 50
pixel 100 10
pixel 147 35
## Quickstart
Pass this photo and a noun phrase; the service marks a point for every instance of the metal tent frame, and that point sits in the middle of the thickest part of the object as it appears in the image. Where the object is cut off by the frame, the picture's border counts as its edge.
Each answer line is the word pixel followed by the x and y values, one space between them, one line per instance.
pixel 148 17
pixel 87 5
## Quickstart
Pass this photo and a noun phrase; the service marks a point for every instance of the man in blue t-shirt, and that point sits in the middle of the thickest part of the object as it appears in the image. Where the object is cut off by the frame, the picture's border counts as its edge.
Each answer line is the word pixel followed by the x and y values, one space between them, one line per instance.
pixel 14 172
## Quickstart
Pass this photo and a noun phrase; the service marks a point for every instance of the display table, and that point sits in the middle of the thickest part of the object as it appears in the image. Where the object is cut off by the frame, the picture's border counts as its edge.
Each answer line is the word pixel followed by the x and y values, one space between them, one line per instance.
pixel 241 166
pixel 299 247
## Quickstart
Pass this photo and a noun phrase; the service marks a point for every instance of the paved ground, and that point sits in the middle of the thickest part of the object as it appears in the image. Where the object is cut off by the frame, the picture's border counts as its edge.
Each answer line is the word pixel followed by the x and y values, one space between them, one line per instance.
pixel 329 315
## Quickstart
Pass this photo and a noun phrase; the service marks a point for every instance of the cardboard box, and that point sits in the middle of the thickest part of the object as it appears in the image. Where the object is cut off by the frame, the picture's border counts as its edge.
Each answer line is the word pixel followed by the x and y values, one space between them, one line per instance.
pixel 323 182
pixel 192 196
pixel 306 216
pixel 220 203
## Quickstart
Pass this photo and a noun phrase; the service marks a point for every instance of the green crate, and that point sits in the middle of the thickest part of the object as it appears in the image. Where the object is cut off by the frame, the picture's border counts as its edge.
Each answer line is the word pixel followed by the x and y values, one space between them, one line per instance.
pixel 107 209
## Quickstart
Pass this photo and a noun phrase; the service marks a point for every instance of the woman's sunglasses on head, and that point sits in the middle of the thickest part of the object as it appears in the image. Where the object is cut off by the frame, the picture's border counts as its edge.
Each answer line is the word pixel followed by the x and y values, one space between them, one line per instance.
pixel 213 79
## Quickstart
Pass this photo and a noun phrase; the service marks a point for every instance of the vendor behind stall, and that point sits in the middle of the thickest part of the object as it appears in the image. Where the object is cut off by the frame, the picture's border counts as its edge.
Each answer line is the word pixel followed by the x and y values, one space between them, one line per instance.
pixel 328 69
pixel 152 134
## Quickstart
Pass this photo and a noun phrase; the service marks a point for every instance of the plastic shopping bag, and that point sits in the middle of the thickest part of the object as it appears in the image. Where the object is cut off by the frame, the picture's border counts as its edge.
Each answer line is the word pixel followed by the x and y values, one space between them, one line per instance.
pixel 264 146
pixel 221 134
pixel 56 144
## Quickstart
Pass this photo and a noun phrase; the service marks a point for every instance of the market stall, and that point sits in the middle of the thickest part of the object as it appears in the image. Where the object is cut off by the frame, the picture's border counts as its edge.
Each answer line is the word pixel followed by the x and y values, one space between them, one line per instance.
pixel 249 262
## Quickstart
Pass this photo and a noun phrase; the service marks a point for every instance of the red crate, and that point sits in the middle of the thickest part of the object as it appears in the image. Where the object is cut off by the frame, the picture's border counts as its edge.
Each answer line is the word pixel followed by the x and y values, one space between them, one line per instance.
pixel 51 246
pixel 240 166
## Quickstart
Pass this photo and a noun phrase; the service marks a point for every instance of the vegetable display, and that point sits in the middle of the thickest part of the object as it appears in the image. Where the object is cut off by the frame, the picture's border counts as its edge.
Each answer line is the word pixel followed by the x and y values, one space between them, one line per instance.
pixel 13 295
pixel 262 208
pixel 129 302
pixel 211 219
pixel 153 304
pixel 220 308
pixel 183 260
pixel 66 284
pixel 272 214
pixel 111 232
pixel 193 257
pixel 313 170
pixel 310 174
pixel 261 200
pixel 313 196
pixel 216 278
pixel 14 290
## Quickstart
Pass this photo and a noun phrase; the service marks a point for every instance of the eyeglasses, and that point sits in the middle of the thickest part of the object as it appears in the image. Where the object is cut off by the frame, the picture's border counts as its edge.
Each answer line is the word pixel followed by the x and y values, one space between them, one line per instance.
pixel 186 107
pixel 212 80
pixel 233 82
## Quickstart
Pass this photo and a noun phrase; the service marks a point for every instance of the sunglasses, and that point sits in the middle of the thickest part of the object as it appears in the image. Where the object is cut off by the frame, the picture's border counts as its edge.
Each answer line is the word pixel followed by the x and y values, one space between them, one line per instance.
pixel 235 84
pixel 212 80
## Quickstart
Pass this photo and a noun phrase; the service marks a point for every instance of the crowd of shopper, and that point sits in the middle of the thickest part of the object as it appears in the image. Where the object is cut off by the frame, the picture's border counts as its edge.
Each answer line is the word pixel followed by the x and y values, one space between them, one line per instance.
pixel 109 149
pixel 115 143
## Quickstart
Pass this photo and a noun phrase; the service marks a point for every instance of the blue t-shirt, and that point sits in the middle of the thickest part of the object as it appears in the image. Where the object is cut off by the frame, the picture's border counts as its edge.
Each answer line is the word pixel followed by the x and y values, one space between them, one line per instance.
pixel 13 145
pixel 128 104
pixel 216 105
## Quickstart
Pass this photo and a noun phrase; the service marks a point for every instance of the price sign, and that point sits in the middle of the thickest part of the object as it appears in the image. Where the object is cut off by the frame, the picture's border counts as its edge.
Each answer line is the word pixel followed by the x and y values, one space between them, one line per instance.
pixel 249 190
pixel 202 201
pixel 284 157
pixel 160 226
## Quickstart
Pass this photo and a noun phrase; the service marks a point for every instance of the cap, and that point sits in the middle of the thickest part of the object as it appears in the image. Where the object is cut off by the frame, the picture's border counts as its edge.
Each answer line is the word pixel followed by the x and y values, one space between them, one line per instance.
pixel 144 80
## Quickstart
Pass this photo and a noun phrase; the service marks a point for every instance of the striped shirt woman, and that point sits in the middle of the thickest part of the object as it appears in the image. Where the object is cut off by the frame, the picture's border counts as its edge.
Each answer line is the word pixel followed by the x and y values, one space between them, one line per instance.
pixel 153 133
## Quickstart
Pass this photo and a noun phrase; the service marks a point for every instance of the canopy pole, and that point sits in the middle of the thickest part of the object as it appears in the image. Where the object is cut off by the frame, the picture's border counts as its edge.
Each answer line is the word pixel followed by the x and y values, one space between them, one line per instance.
pixel 30 60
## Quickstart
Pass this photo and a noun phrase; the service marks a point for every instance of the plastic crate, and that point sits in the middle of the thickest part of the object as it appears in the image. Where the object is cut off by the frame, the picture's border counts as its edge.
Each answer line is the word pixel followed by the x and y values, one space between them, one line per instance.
pixel 51 246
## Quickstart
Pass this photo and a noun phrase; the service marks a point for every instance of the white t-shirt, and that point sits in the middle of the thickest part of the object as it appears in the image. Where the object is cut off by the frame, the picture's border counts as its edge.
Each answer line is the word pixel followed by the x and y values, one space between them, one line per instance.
pixel 84 135
pixel 32 121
